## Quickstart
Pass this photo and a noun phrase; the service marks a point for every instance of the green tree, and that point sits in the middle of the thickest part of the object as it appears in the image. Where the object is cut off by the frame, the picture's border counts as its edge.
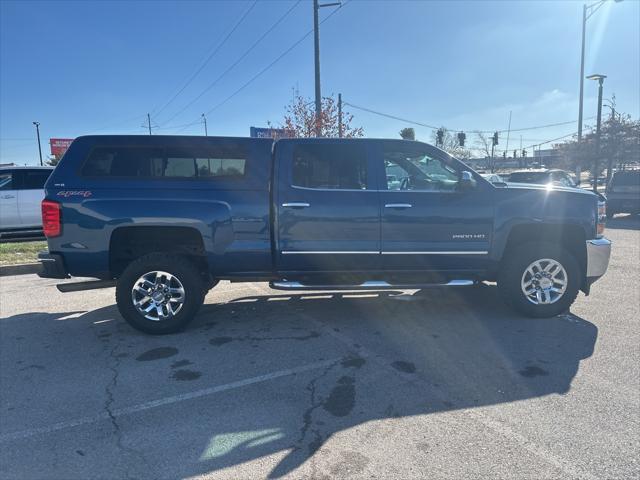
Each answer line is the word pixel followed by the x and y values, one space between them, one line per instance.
pixel 619 145
pixel 408 133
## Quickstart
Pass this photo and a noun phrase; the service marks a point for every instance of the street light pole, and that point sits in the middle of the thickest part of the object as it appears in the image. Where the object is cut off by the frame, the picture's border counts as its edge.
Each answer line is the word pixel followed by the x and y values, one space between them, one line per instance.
pixel 37 124
pixel 600 79
pixel 316 52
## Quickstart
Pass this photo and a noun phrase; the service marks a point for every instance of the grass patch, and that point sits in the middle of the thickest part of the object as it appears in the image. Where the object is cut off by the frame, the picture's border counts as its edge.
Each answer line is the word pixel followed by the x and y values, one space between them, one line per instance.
pixel 20 252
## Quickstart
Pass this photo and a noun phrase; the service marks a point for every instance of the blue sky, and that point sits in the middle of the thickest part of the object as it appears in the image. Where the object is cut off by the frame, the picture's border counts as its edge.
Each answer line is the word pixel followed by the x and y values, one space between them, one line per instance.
pixel 99 67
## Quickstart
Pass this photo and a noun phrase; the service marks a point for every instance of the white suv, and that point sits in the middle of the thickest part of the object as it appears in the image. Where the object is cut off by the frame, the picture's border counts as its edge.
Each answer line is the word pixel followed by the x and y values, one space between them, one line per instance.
pixel 21 191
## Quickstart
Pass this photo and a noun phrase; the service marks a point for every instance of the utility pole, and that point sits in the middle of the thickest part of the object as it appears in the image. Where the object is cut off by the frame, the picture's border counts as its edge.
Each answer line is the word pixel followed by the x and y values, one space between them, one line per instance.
pixel 204 119
pixel 37 124
pixel 339 115
pixel 587 11
pixel 508 131
pixel 149 122
pixel 600 79
pixel 584 27
pixel 316 49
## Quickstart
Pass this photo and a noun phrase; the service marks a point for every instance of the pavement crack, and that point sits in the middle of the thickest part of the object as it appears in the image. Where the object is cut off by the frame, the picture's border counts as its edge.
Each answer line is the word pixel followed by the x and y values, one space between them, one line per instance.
pixel 307 418
pixel 114 366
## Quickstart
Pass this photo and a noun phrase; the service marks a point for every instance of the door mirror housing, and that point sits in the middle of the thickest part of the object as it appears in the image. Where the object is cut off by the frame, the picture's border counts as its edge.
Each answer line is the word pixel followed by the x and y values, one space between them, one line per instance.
pixel 467 182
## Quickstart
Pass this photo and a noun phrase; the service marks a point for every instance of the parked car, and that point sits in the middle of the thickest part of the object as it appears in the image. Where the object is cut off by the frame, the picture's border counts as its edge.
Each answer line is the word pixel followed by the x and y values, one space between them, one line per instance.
pixel 21 191
pixel 165 218
pixel 623 192
pixel 543 177
pixel 493 178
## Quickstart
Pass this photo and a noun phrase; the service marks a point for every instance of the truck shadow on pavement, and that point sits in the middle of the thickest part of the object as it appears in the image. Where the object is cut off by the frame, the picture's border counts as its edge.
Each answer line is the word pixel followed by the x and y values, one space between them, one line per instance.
pixel 396 355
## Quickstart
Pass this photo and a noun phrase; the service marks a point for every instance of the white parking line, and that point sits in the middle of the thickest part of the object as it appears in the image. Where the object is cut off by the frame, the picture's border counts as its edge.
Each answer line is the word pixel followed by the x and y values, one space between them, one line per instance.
pixel 166 401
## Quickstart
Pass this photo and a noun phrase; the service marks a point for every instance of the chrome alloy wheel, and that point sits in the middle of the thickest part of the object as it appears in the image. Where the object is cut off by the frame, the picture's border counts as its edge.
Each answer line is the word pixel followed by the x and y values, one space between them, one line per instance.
pixel 544 281
pixel 158 295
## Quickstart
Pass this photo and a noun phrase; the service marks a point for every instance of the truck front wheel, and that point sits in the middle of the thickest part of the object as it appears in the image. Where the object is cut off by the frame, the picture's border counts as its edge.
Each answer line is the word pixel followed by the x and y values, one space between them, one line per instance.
pixel 159 293
pixel 539 279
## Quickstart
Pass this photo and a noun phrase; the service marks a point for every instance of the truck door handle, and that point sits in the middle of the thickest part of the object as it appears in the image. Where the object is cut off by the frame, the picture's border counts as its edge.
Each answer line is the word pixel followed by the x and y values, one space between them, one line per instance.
pixel 398 205
pixel 6 197
pixel 296 205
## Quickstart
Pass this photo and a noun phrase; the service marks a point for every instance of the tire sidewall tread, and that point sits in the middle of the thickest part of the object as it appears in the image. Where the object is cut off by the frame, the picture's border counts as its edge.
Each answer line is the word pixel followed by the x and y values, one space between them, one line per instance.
pixel 514 265
pixel 178 266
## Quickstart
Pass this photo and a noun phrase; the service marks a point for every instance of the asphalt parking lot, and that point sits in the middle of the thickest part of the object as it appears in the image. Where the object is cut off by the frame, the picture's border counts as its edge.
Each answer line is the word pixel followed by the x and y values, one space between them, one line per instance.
pixel 396 384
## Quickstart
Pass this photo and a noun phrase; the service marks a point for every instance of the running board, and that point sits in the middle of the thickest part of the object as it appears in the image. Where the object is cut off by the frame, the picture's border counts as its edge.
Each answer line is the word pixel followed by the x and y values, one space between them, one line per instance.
pixel 88 285
pixel 371 285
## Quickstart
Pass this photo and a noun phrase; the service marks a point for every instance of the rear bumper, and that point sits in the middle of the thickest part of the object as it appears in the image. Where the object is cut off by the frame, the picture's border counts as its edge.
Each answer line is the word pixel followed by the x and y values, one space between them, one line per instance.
pixel 52 266
pixel 598 253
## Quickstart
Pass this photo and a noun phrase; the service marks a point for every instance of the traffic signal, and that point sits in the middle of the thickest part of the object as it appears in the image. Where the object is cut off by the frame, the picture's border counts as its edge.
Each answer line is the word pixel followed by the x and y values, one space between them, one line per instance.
pixel 495 138
pixel 504 154
pixel 524 152
pixel 514 153
pixel 439 136
pixel 461 138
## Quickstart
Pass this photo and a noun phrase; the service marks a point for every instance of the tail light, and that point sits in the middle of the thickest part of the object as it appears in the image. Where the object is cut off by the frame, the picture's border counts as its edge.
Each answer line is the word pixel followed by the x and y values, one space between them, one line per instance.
pixel 51 225
pixel 601 220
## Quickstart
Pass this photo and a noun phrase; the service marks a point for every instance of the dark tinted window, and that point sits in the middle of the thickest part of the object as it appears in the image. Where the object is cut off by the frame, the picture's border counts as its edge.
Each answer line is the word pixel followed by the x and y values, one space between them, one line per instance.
pixel 529 177
pixel 124 162
pixel 172 163
pixel 33 179
pixel 631 178
pixel 342 166
pixel 223 161
pixel 6 181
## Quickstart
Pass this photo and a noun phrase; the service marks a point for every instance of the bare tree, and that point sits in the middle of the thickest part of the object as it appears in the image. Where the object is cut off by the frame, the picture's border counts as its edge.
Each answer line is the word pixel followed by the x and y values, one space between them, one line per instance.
pixel 300 119
pixel 450 144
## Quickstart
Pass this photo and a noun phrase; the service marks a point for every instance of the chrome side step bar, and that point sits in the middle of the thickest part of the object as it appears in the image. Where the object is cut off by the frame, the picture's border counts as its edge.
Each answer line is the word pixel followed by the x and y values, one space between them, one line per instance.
pixel 370 285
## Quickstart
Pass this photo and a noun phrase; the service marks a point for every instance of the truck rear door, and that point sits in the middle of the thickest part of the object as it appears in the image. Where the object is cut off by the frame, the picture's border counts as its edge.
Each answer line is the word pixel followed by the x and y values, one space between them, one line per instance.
pixel 326 203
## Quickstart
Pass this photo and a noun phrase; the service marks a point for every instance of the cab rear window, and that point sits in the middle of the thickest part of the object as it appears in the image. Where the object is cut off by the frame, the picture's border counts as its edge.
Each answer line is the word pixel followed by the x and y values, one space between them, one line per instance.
pixel 145 162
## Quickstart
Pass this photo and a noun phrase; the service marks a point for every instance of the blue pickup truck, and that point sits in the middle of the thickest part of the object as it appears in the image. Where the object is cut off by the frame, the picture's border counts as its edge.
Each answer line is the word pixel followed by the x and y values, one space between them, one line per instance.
pixel 164 218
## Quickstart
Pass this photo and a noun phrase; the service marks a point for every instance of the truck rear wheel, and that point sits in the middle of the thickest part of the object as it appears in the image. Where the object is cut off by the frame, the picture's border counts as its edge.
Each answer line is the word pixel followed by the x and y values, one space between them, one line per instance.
pixel 159 293
pixel 539 279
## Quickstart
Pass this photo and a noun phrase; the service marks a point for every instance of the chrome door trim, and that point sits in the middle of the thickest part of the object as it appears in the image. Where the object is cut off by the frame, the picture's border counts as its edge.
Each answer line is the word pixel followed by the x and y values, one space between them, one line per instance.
pixel 296 204
pixel 327 252
pixel 438 252
pixel 398 205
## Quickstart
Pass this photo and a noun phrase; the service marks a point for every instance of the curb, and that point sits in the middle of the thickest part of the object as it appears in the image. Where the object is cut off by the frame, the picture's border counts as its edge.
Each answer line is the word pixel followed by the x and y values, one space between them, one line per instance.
pixel 21 269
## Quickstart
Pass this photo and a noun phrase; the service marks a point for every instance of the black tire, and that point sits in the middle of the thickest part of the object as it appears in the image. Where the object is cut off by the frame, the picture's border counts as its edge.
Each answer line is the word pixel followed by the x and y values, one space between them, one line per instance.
pixel 514 266
pixel 183 270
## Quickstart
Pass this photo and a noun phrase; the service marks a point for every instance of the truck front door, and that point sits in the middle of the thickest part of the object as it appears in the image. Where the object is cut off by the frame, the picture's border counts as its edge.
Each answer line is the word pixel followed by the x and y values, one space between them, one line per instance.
pixel 326 205
pixel 428 221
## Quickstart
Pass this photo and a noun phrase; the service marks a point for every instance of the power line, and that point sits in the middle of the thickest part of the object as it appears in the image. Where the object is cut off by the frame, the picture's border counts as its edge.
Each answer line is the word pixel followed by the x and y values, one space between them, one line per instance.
pixel 277 59
pixel 234 64
pixel 207 60
pixel 455 129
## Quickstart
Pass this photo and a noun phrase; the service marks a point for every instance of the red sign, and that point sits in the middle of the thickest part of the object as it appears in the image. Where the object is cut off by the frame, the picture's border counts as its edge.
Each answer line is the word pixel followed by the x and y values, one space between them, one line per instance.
pixel 59 146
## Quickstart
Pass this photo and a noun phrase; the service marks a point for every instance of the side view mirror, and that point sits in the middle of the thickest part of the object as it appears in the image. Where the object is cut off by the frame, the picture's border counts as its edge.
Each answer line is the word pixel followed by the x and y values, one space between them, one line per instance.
pixel 467 182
